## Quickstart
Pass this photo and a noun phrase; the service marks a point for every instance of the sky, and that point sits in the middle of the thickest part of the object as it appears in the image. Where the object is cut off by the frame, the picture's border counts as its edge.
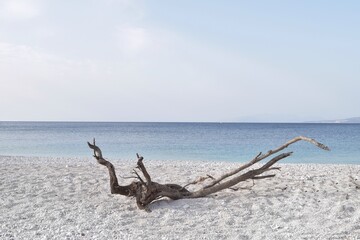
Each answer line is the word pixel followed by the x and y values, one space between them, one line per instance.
pixel 174 61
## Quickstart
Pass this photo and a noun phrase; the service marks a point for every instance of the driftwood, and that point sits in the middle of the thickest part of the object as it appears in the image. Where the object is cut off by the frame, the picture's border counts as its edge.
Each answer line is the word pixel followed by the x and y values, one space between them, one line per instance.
pixel 146 191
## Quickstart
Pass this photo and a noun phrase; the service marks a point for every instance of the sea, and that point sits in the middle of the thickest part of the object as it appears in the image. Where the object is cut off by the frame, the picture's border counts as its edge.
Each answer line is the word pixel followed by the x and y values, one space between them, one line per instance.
pixel 232 142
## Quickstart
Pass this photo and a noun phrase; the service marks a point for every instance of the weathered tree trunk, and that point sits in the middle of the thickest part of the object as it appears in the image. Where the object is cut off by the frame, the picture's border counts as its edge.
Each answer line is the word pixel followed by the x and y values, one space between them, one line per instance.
pixel 146 191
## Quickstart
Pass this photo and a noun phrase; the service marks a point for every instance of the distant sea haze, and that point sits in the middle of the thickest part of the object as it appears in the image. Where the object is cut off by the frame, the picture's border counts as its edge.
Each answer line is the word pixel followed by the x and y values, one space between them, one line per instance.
pixel 236 142
pixel 346 120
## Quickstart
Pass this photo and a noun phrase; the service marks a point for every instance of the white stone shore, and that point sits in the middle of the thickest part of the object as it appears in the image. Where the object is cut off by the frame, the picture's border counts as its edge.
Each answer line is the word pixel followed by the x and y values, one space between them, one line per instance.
pixel 56 198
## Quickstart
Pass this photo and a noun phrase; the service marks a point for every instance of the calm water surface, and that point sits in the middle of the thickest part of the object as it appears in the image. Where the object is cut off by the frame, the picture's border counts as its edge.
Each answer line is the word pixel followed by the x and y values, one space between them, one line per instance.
pixel 180 141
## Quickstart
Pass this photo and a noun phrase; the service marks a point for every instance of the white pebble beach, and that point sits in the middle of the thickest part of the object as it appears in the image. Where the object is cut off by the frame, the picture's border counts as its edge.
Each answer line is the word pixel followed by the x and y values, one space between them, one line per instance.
pixel 69 198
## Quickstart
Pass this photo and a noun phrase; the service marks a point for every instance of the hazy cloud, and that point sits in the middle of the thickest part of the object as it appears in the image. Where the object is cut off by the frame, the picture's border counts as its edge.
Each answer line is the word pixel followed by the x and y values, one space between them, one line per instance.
pixel 19 9
pixel 37 84
pixel 132 39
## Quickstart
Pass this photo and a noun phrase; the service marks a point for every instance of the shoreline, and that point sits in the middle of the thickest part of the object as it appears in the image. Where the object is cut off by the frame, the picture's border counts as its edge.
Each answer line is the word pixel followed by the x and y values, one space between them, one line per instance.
pixel 89 159
pixel 48 198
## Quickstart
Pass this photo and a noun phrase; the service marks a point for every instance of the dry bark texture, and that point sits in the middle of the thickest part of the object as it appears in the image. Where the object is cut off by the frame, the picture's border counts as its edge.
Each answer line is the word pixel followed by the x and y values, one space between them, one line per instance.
pixel 146 191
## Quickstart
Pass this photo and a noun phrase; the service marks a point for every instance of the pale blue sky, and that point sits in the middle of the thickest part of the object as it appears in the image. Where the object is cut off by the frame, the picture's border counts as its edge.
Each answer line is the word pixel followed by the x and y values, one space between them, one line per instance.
pixel 128 60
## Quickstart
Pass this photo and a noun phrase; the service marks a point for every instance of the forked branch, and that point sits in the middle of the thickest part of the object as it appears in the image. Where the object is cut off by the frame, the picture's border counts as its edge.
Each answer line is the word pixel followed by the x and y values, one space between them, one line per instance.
pixel 261 156
pixel 146 191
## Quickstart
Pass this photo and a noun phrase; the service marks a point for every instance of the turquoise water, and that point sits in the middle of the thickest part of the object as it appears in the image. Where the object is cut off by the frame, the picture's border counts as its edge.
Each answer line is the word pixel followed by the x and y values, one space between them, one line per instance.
pixel 180 141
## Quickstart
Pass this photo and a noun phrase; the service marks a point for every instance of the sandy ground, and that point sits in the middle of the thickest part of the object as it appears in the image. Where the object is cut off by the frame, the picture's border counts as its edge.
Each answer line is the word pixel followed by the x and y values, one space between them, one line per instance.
pixel 53 198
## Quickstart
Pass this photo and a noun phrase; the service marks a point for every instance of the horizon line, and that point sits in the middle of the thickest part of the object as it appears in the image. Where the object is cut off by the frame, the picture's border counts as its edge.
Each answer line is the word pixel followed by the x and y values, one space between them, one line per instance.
pixel 212 122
